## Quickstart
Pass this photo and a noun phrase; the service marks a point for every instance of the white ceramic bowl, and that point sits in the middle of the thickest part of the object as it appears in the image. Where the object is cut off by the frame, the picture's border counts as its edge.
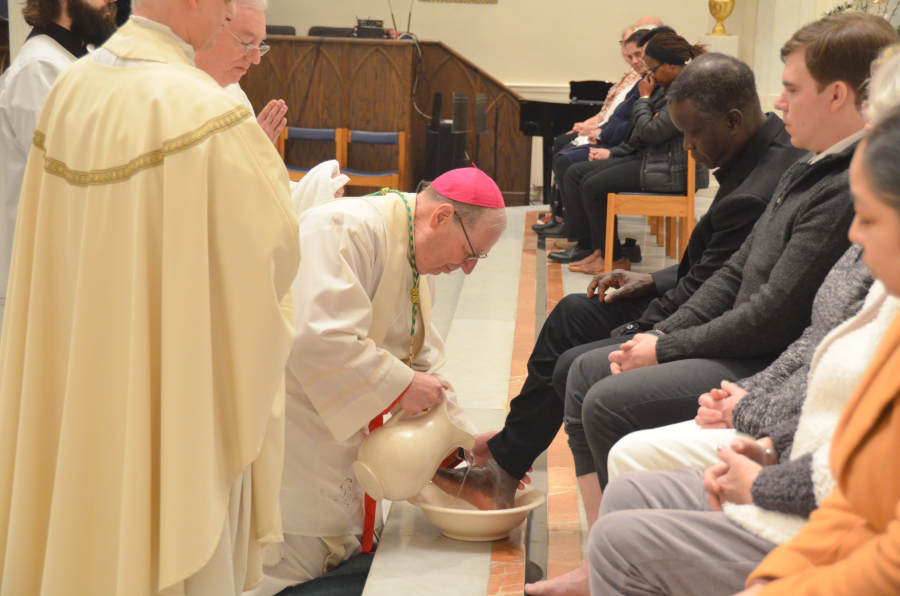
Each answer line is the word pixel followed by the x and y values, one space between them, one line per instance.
pixel 459 520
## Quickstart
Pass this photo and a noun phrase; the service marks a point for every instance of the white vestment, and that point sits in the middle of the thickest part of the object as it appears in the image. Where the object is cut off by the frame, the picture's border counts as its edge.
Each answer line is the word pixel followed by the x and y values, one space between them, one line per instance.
pixel 347 364
pixel 235 91
pixel 23 89
pixel 148 322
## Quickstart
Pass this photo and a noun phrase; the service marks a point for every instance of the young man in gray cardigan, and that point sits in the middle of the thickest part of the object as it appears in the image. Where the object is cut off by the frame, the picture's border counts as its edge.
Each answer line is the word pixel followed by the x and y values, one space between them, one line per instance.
pixel 751 310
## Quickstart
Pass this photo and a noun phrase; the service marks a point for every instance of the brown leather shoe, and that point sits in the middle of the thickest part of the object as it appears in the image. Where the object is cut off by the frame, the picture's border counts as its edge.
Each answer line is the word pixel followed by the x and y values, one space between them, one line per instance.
pixel 620 264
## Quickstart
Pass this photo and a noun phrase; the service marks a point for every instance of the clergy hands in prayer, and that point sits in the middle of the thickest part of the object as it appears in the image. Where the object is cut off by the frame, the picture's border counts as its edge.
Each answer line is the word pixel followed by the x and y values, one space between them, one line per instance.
pixel 598 153
pixel 272 119
pixel 645 85
pixel 627 284
pixel 729 481
pixel 638 352
pixel 717 405
pixel 424 391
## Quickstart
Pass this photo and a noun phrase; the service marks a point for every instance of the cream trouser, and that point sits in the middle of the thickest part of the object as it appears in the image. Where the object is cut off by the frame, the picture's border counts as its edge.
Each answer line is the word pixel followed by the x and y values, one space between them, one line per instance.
pixel 682 445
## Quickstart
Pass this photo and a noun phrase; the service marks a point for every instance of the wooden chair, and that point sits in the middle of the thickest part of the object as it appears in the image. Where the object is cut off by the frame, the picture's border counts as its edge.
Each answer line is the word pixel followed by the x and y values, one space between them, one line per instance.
pixel 336 135
pixel 392 178
pixel 655 205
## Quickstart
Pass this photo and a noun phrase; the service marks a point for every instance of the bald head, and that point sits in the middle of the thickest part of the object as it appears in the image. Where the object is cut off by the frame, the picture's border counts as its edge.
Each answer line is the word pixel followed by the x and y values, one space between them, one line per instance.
pixel 649 21
pixel 197 22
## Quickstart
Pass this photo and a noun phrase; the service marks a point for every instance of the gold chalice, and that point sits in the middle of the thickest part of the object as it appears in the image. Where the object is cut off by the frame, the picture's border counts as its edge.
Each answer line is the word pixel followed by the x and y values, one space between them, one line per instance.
pixel 720 9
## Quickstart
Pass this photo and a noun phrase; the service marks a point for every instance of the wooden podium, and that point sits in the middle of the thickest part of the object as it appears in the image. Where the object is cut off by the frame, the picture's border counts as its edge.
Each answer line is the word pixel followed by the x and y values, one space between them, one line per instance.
pixel 381 85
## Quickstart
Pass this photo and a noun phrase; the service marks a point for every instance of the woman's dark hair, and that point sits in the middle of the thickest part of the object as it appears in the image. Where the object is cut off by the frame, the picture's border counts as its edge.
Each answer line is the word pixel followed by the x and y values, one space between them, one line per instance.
pixel 40 13
pixel 670 48
pixel 881 159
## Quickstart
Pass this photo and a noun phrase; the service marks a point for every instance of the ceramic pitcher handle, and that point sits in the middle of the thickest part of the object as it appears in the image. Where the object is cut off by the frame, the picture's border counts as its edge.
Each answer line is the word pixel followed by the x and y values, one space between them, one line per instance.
pixel 397 417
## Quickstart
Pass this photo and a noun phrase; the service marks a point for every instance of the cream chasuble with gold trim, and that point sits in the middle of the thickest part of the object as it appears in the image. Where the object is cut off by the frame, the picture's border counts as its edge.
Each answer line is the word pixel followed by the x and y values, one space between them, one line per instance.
pixel 349 361
pixel 148 321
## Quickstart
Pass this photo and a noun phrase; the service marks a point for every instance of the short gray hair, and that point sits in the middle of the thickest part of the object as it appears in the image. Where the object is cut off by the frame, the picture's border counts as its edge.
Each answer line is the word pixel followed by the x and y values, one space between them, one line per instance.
pixel 470 215
pixel 884 87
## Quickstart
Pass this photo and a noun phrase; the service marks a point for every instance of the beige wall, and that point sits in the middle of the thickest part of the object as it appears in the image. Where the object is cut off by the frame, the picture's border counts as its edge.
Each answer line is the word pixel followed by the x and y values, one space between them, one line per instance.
pixel 530 42
pixel 18 29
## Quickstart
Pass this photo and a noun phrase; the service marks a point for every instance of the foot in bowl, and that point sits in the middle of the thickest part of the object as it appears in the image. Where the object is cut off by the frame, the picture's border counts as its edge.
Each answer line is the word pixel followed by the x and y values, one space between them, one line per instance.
pixel 488 487
pixel 573 583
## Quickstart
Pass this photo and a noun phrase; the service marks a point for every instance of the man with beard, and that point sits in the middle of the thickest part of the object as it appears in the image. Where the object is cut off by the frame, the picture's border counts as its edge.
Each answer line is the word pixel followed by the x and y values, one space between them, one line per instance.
pixel 240 44
pixel 62 30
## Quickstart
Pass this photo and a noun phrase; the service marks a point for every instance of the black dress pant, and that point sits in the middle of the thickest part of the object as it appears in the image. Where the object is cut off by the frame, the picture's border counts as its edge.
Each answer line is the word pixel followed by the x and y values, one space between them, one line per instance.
pixel 536 414
pixel 585 189
pixel 559 143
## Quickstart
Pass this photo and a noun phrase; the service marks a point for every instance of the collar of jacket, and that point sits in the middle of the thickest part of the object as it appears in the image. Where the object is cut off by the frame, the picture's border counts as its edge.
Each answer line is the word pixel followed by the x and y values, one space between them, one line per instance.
pixel 68 40
pixel 142 43
pixel 733 173
pixel 827 163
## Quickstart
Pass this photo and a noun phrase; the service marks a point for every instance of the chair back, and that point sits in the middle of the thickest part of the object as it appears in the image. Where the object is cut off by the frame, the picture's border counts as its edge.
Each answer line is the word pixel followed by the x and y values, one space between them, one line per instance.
pixel 335 135
pixel 392 178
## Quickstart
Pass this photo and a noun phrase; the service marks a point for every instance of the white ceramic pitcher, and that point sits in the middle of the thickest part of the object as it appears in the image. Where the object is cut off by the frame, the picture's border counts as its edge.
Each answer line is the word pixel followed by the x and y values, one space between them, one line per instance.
pixel 397 460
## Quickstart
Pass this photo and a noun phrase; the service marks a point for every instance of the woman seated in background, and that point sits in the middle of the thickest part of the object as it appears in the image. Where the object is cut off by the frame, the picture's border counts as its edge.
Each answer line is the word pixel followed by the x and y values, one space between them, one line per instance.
pixel 573 146
pixel 652 159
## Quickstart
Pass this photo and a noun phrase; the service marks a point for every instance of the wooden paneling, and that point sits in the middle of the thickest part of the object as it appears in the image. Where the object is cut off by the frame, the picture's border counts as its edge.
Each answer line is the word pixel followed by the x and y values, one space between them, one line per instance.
pixel 369 85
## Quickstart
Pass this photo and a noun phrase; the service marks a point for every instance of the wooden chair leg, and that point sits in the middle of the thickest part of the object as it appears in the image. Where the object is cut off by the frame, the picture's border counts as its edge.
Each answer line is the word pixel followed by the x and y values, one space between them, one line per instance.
pixel 610 231
pixel 684 233
pixel 654 225
pixel 671 238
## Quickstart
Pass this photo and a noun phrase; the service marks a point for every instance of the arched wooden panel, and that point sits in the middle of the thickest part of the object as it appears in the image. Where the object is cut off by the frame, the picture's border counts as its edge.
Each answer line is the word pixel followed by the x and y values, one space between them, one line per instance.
pixel 378 85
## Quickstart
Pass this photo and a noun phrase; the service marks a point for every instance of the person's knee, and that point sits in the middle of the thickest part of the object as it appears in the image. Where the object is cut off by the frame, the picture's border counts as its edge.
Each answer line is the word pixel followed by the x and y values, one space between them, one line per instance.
pixel 628 454
pixel 561 372
pixel 594 411
pixel 627 492
pixel 575 174
pixel 609 535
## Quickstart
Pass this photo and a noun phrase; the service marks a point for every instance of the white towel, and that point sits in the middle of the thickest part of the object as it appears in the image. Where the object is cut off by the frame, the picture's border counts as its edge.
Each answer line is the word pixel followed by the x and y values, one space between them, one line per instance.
pixel 318 186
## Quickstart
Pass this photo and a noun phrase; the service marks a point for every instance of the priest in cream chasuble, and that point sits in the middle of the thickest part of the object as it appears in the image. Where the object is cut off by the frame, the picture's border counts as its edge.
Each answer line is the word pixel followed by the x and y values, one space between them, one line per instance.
pixel 148 321
pixel 363 343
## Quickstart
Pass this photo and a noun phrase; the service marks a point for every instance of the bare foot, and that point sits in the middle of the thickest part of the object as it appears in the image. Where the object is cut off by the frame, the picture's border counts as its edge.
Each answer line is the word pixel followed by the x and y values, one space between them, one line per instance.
pixel 589 259
pixel 487 487
pixel 573 583
pixel 599 266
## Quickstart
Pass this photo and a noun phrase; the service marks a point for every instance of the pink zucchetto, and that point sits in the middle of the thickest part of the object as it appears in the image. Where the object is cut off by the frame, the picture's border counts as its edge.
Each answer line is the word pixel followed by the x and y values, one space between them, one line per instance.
pixel 469 185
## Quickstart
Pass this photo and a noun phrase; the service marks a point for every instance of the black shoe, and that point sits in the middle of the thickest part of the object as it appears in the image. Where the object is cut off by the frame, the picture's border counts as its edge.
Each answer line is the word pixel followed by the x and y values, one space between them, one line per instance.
pixel 540 227
pixel 557 231
pixel 631 250
pixel 570 255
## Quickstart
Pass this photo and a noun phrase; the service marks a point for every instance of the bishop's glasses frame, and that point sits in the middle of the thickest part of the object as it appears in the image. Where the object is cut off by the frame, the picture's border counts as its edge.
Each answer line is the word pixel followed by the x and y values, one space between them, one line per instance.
pixel 473 255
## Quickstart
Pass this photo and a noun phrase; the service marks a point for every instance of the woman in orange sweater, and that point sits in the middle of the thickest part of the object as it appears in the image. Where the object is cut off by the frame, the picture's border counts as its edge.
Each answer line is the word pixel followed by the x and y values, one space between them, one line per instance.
pixel 851 545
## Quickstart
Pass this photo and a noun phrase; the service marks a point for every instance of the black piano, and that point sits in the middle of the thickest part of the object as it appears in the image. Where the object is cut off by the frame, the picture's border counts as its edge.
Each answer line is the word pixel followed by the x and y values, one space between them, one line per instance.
pixel 549 120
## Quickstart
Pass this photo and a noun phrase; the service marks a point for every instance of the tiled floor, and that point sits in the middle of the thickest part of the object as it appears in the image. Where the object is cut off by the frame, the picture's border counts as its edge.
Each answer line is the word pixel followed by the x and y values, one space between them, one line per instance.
pixel 488 321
